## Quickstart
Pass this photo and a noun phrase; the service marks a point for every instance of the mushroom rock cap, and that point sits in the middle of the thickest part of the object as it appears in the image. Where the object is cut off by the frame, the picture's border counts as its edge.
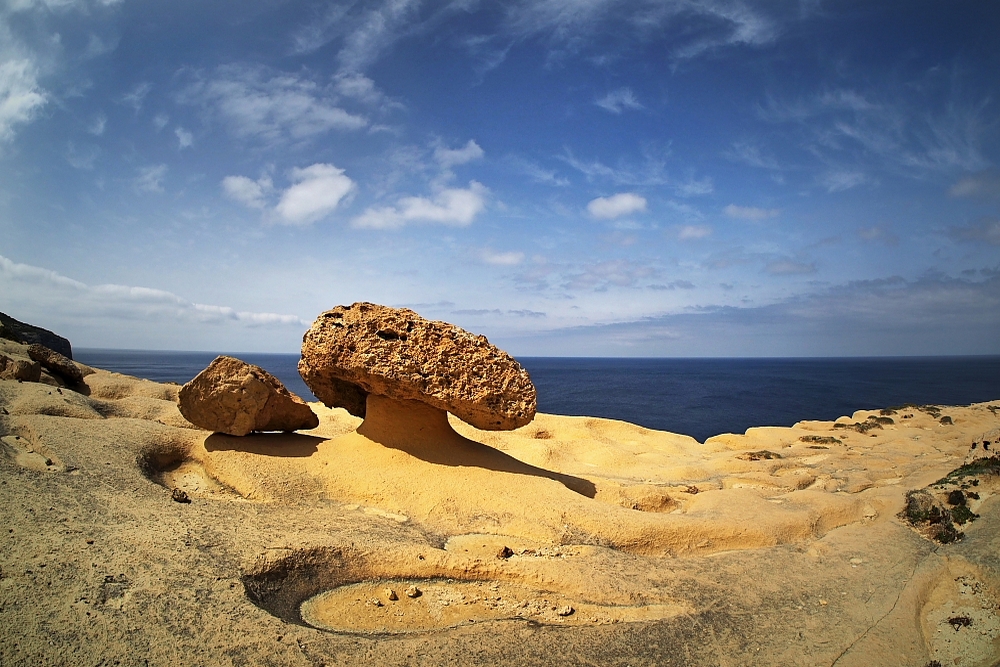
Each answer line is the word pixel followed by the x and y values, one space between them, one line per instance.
pixel 394 352
pixel 233 397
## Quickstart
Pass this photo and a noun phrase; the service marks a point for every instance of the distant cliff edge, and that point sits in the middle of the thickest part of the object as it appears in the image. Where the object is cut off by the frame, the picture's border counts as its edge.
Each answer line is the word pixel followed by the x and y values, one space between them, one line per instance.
pixel 27 333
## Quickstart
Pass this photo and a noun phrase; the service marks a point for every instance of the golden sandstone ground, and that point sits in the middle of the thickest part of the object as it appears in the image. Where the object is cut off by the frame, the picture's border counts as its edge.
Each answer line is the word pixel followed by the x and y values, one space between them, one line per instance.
pixel 570 540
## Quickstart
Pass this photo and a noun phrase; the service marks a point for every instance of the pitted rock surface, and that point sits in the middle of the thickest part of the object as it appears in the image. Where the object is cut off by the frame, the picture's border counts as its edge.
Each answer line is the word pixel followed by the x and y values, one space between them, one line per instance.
pixel 56 363
pixel 394 352
pixel 234 397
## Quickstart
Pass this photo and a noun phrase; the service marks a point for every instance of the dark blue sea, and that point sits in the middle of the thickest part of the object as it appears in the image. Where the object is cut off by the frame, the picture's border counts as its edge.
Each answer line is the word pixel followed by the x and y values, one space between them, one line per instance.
pixel 697 397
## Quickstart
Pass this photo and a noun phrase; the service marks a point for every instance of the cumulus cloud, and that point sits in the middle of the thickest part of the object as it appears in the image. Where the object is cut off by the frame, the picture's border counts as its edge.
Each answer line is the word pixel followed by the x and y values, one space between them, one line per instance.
pixel 450 157
pixel 616 206
pixel 256 102
pixel 750 212
pixel 20 95
pixel 691 232
pixel 150 179
pixel 619 100
pixel 31 289
pixel 456 207
pixel 317 192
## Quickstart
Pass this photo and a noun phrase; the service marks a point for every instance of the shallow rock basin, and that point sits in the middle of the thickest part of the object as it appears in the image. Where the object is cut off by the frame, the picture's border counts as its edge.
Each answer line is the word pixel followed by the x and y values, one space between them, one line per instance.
pixel 368 607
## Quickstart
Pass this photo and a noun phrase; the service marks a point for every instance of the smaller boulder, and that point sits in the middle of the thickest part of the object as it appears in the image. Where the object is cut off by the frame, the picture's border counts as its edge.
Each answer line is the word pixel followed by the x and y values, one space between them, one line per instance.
pixel 19 369
pixel 233 397
pixel 56 363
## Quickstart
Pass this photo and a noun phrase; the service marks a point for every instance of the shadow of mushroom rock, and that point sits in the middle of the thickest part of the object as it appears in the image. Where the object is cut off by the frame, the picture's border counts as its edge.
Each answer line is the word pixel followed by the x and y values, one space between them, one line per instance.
pixel 423 432
pixel 265 444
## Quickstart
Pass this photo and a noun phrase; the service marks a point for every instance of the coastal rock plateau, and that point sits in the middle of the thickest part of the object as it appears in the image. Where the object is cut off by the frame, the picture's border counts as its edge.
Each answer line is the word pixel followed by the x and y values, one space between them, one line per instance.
pixel 365 348
pixel 233 397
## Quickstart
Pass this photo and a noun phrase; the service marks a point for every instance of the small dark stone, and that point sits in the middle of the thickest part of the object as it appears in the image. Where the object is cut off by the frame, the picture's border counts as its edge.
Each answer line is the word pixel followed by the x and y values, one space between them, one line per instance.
pixel 505 552
pixel 180 496
pixel 956 497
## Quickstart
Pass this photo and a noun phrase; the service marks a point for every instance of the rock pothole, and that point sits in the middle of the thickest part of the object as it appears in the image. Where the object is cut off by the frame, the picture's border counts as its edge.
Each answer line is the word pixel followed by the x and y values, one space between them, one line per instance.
pixel 384 607
pixel 345 591
pixel 172 468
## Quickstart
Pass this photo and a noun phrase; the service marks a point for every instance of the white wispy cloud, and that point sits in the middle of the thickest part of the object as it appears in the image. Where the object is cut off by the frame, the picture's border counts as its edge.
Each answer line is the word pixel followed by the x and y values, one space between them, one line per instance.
pixel 502 258
pixel 984 185
pixel 21 96
pixel 374 31
pixel 456 207
pixel 651 171
pixel 616 206
pixel 184 138
pixel 619 100
pixel 751 154
pixel 248 192
pixel 35 288
pixel 692 232
pixel 97 125
pixel 257 102
pixel 81 157
pixel 569 23
pixel 693 187
pixel 789 267
pixel 984 230
pixel 450 157
pixel 750 212
pixel 137 96
pixel 838 181
pixel 150 179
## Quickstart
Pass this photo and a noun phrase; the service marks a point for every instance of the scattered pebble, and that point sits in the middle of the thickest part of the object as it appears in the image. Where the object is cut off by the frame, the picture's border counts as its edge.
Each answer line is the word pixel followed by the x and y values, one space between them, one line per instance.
pixel 412 592
pixel 565 610
pixel 505 552
pixel 390 594
pixel 180 496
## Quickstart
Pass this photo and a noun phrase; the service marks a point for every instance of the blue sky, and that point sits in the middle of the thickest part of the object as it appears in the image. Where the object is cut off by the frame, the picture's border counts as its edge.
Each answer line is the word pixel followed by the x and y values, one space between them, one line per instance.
pixel 568 177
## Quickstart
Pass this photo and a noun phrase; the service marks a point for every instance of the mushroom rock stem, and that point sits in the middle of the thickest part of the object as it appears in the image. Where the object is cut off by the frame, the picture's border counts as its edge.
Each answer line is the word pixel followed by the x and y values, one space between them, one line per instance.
pixel 406 424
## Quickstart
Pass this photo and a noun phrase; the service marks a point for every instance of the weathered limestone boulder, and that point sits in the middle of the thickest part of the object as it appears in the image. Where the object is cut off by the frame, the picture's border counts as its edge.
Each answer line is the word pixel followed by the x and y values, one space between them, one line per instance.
pixel 28 333
pixel 56 363
pixel 234 397
pixel 19 369
pixel 353 351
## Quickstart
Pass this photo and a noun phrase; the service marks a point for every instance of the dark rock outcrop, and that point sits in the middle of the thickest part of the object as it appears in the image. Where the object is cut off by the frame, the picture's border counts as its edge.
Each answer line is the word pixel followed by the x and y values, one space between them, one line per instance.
pixel 27 333
pixel 233 397
pixel 366 349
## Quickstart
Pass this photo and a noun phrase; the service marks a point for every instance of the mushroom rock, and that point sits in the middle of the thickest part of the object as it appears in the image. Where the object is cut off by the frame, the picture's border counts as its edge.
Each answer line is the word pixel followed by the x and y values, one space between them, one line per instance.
pixel 56 363
pixel 233 397
pixel 352 352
